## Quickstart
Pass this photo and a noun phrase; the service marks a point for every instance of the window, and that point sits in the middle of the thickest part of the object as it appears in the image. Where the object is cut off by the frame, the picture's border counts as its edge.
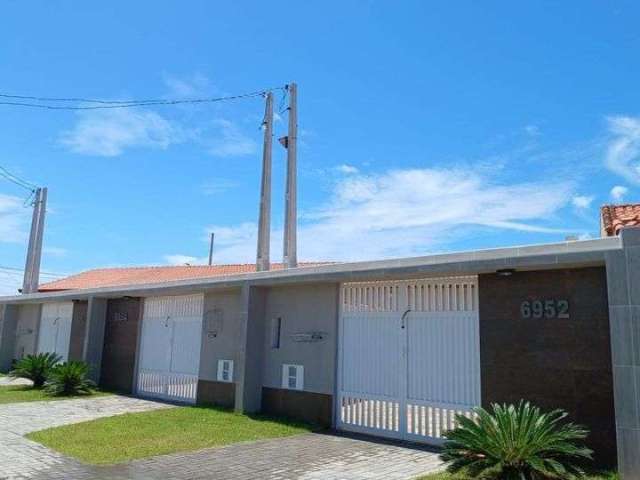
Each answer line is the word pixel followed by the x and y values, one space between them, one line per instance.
pixel 292 377
pixel 225 370
pixel 276 332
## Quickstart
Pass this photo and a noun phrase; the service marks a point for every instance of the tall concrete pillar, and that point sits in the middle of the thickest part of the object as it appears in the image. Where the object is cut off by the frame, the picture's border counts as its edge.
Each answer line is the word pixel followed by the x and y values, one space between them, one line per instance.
pixel 8 324
pixel 94 335
pixel 623 283
pixel 248 396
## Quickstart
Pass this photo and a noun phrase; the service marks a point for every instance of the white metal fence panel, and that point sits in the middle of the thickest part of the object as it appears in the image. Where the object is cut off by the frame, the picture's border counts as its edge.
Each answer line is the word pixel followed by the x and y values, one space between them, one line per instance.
pixel 371 361
pixel 55 328
pixel 368 400
pixel 409 356
pixel 155 344
pixel 443 363
pixel 187 334
pixel 170 347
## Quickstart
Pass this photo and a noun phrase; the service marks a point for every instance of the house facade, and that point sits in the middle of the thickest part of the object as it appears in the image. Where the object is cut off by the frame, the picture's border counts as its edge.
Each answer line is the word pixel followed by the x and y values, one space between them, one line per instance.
pixel 390 348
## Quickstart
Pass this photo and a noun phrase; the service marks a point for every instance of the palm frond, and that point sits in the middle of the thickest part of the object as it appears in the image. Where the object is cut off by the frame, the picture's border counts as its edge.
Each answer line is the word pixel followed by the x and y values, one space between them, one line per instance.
pixel 516 442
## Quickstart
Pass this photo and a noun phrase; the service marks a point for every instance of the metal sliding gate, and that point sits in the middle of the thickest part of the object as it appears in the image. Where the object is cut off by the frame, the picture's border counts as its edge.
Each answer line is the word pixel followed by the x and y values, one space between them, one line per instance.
pixel 170 347
pixel 409 356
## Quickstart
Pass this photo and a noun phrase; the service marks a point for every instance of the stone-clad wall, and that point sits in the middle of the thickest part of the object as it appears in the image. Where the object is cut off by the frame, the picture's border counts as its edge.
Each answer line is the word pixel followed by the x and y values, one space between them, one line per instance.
pixel 120 344
pixel 552 362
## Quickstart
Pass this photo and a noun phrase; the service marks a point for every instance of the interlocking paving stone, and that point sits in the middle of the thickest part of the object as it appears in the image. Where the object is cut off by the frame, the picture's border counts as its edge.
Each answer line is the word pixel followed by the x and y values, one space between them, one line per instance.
pixel 23 459
pixel 313 456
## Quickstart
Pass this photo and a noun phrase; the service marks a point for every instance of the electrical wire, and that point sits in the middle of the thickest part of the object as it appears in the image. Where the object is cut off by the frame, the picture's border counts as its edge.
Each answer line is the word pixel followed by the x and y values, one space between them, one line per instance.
pixel 281 105
pixel 104 104
pixel 7 175
pixel 15 270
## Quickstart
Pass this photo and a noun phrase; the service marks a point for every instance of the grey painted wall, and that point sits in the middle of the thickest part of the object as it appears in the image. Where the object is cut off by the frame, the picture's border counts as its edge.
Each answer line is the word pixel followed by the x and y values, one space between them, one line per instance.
pixel 623 281
pixel 220 331
pixel 8 322
pixel 94 341
pixel 303 308
pixel 27 330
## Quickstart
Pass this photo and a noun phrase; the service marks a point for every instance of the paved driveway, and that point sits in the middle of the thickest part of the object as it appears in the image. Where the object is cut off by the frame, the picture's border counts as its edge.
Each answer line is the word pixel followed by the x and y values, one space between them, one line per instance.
pixel 21 458
pixel 303 457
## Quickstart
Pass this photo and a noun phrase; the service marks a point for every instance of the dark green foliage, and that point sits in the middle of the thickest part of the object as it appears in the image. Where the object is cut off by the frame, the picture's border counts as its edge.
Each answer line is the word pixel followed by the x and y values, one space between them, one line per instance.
pixel 516 443
pixel 35 367
pixel 70 378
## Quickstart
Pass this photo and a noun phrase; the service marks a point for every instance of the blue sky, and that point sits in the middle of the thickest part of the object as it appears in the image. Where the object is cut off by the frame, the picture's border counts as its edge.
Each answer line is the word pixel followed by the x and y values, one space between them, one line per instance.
pixel 425 126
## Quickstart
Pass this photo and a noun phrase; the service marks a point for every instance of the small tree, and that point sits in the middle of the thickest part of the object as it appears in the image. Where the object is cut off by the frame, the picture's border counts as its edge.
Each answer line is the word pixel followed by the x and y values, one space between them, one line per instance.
pixel 70 378
pixel 516 443
pixel 35 367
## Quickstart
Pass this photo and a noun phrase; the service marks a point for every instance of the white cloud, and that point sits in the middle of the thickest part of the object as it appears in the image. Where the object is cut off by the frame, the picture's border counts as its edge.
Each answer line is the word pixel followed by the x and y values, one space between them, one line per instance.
pixel 532 130
pixel 228 140
pixel 55 251
pixel 189 86
pixel 14 219
pixel 582 201
pixel 108 133
pixel 218 185
pixel 618 192
pixel 347 169
pixel 623 151
pixel 178 259
pixel 406 212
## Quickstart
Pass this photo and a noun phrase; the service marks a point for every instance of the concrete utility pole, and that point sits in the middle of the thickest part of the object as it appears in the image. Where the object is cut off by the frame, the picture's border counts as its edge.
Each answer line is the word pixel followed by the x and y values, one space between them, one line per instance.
pixel 213 237
pixel 264 223
pixel 290 254
pixel 34 253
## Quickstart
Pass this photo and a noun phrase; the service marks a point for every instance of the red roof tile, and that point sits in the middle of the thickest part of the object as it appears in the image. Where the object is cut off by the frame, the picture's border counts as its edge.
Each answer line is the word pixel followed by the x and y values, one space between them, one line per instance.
pixel 615 217
pixel 117 277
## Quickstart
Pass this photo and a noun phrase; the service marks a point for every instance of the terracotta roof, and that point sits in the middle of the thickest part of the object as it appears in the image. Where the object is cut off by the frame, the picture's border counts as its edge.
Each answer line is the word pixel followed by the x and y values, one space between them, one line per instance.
pixel 116 277
pixel 615 217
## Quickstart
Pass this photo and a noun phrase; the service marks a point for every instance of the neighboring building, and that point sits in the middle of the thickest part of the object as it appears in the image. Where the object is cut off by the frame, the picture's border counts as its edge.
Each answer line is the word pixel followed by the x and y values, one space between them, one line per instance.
pixel 391 348
pixel 614 218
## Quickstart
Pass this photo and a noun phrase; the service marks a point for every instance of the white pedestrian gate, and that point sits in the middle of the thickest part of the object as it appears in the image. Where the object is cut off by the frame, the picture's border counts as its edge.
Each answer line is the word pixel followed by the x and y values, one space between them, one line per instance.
pixel 409 356
pixel 54 334
pixel 170 347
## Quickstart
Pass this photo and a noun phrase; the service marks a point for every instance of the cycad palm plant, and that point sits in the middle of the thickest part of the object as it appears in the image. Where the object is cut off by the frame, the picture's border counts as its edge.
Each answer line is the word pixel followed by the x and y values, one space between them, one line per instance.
pixel 70 378
pixel 516 443
pixel 35 367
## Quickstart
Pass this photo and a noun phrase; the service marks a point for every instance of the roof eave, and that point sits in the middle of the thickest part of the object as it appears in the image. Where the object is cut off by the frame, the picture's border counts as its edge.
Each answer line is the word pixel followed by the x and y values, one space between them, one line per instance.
pixel 555 255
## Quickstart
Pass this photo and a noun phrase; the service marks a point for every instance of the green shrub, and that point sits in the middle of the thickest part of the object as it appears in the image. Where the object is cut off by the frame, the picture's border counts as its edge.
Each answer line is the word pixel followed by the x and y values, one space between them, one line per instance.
pixel 70 378
pixel 516 442
pixel 35 367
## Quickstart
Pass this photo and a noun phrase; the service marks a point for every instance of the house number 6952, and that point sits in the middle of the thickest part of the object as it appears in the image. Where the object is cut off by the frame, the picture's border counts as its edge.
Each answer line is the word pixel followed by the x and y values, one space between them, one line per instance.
pixel 544 309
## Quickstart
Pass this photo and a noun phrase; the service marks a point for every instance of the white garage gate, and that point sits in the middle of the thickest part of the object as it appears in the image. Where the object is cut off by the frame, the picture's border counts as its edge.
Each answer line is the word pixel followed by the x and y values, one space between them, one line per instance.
pixel 409 356
pixel 170 347
pixel 54 334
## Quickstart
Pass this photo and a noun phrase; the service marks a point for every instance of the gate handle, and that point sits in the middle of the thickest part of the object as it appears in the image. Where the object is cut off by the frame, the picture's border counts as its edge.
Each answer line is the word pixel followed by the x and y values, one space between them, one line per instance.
pixel 404 316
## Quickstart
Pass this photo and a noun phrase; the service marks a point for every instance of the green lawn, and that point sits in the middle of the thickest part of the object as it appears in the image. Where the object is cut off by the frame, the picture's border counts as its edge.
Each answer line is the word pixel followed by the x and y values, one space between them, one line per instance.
pixel 137 435
pixel 448 476
pixel 24 393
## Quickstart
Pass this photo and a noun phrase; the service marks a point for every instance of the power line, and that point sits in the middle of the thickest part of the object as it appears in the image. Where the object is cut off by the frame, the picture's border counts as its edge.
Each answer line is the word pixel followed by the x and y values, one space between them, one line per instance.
pixel 21 270
pixel 7 175
pixel 104 104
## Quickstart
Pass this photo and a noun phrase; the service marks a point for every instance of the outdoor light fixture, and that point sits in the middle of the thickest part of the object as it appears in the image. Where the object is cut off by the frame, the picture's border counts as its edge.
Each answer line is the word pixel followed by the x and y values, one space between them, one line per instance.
pixel 506 272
